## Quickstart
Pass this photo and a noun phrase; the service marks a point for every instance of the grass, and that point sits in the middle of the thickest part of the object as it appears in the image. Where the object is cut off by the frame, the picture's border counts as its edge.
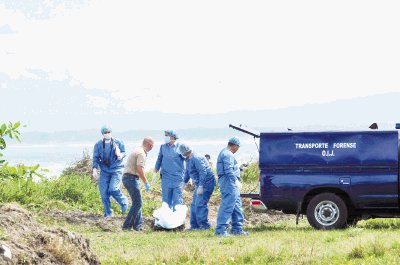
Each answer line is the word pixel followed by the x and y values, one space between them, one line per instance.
pixel 281 243
pixel 2 234
pixel 370 242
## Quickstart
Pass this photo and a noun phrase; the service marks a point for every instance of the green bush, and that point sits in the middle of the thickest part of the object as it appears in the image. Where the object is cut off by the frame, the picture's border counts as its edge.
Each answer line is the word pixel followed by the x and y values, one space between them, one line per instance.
pixel 67 192
pixel 20 171
pixel 81 166
pixel 251 173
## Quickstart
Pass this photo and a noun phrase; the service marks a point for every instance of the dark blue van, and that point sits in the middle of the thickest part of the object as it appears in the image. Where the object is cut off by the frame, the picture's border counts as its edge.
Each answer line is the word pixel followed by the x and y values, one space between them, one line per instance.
pixel 335 178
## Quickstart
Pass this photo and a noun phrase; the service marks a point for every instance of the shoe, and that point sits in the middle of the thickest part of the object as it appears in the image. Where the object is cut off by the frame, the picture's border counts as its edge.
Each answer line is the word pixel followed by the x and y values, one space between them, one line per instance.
pixel 223 234
pixel 127 228
pixel 138 228
pixel 240 233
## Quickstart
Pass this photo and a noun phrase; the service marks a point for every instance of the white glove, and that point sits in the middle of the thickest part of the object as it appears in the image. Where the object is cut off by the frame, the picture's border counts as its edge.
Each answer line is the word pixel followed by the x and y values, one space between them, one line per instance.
pixel 154 178
pixel 95 175
pixel 118 152
pixel 200 190
pixel 238 184
pixel 190 182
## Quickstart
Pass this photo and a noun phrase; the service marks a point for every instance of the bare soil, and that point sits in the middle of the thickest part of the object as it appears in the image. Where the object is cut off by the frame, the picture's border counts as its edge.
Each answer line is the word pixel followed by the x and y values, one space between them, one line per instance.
pixel 33 243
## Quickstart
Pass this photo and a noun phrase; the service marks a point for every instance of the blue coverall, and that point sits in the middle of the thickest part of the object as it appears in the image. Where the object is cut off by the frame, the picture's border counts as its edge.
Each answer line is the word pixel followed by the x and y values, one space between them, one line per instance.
pixel 230 209
pixel 199 170
pixel 172 172
pixel 110 173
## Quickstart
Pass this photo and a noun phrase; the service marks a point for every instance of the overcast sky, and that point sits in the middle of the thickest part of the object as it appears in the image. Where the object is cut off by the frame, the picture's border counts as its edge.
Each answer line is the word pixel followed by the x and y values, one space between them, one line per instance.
pixel 203 56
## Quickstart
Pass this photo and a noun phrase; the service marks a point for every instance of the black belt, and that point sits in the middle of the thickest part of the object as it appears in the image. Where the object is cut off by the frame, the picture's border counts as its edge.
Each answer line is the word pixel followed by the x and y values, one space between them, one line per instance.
pixel 130 175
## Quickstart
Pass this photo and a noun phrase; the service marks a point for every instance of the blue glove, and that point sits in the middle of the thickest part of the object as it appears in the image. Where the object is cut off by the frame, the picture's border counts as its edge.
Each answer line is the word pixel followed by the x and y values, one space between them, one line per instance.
pixel 147 186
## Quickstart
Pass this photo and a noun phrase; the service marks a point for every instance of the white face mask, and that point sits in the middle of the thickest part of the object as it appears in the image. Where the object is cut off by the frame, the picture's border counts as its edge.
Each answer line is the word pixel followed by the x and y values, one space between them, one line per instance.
pixel 107 136
pixel 167 139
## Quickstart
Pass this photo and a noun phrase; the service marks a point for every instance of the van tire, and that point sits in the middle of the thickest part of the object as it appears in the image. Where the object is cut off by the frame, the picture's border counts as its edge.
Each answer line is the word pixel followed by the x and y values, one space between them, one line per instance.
pixel 327 211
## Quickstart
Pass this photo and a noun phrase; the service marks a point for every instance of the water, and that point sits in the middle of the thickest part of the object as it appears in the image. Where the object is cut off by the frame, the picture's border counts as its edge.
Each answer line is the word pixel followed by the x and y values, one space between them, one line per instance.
pixel 55 156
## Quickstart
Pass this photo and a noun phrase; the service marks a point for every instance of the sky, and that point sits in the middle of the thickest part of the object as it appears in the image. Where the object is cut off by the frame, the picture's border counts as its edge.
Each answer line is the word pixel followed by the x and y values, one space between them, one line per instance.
pixel 200 56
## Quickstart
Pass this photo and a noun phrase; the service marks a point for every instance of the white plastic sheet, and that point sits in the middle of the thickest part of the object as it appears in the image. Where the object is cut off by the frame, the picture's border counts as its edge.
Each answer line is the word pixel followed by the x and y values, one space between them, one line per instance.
pixel 168 219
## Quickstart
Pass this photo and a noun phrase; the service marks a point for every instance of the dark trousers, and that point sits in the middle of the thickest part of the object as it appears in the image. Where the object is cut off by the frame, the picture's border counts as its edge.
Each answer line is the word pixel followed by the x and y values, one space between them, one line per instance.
pixel 134 218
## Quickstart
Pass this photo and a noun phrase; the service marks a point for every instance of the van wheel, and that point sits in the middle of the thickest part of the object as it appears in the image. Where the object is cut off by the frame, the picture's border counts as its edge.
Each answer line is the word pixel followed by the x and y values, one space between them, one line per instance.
pixel 327 211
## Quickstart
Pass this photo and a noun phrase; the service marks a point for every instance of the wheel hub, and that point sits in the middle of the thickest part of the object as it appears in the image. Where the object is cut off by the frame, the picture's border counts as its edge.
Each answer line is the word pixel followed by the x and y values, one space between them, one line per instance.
pixel 326 213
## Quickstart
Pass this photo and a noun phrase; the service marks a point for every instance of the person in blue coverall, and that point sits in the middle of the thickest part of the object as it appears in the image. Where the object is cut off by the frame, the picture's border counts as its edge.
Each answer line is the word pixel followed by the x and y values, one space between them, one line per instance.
pixel 199 170
pixel 230 210
pixel 171 163
pixel 108 154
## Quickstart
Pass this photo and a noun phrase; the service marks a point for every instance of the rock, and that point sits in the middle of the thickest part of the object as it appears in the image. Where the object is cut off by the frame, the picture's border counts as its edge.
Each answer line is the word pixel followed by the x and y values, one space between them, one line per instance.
pixel 5 252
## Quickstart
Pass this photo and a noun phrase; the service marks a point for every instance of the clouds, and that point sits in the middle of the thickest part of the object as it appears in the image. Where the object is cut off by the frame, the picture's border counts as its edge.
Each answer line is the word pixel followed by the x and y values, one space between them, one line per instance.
pixel 210 56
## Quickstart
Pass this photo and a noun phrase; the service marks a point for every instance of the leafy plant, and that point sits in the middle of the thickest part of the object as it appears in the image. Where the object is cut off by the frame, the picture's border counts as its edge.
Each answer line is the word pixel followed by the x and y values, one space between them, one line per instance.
pixel 11 131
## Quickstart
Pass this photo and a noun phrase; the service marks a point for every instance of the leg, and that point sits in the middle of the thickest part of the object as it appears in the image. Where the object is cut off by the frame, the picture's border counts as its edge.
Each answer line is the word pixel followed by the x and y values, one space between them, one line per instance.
pixel 177 195
pixel 166 192
pixel 104 182
pixel 227 205
pixel 193 219
pixel 134 217
pixel 202 208
pixel 237 216
pixel 115 191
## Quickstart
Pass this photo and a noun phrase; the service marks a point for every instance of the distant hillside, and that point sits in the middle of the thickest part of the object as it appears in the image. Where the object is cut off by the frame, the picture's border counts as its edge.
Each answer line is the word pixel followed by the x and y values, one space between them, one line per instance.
pixel 67 108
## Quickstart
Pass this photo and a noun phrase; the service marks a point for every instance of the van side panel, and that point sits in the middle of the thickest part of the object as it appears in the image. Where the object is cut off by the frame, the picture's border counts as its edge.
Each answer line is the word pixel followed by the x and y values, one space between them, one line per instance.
pixel 362 164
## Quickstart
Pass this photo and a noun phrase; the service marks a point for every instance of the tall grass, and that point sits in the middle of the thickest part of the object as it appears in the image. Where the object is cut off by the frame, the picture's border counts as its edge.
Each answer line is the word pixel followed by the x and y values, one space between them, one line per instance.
pixel 65 192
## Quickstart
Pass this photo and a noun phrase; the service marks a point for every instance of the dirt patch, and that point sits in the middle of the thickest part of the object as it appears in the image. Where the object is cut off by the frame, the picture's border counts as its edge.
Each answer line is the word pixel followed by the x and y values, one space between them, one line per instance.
pixel 251 218
pixel 33 243
pixel 114 224
pixel 109 224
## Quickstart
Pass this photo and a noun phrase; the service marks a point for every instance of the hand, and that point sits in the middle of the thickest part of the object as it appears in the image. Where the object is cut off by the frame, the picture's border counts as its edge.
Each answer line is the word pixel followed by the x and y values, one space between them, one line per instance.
pixel 154 178
pixel 95 175
pixel 118 152
pixel 147 186
pixel 200 190
pixel 238 184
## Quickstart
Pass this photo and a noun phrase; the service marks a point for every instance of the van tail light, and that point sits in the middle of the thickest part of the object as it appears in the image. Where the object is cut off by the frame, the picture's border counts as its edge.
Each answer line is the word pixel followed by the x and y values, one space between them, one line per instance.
pixel 257 205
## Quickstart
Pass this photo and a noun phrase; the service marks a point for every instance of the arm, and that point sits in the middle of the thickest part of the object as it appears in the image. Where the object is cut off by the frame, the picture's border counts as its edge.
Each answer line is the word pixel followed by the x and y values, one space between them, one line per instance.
pixel 122 149
pixel 96 156
pixel 229 162
pixel 140 162
pixel 159 160
pixel 202 169
pixel 141 174
pixel 187 176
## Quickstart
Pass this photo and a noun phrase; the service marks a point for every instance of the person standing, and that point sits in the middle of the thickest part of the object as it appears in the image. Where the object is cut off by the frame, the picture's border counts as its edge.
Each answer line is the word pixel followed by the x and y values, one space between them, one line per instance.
pixel 108 154
pixel 171 163
pixel 134 170
pixel 199 170
pixel 209 160
pixel 230 210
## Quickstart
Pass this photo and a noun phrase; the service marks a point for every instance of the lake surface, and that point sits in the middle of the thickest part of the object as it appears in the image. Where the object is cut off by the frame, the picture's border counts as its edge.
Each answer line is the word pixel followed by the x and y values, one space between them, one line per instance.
pixel 55 156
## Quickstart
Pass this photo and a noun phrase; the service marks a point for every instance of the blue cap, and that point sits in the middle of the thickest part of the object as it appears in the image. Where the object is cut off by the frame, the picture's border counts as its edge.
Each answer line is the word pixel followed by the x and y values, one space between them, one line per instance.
pixel 234 140
pixel 105 128
pixel 183 148
pixel 171 133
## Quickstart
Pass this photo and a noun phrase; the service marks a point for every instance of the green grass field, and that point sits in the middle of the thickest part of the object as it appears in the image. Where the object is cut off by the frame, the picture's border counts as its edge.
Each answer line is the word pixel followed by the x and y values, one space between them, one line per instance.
pixel 371 242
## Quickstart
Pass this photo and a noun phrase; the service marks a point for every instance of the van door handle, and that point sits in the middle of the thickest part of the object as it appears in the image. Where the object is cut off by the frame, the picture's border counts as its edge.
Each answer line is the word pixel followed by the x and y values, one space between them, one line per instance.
pixel 344 181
